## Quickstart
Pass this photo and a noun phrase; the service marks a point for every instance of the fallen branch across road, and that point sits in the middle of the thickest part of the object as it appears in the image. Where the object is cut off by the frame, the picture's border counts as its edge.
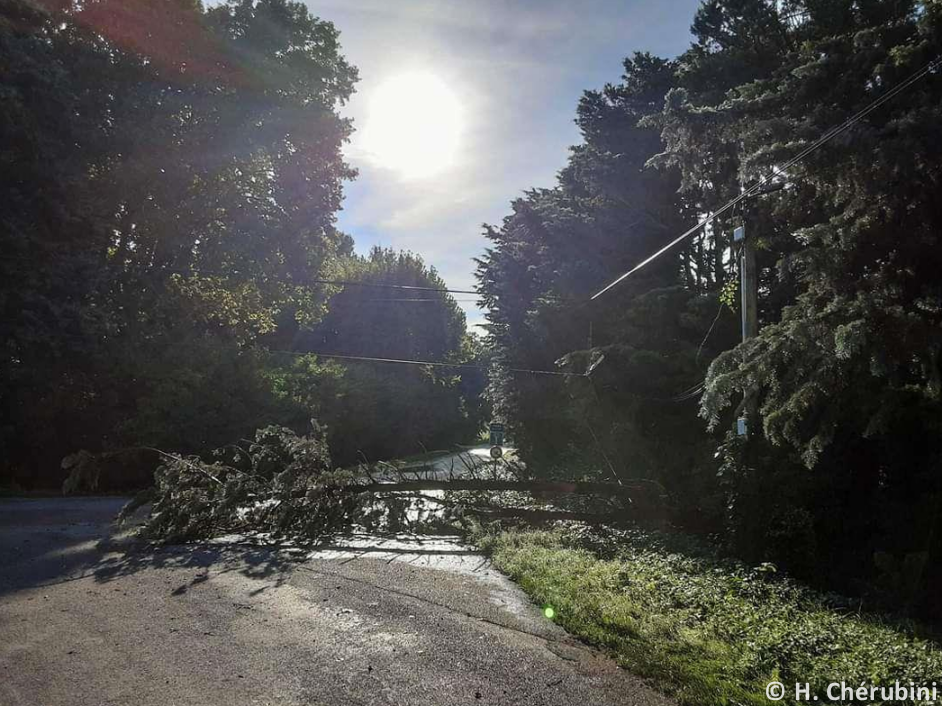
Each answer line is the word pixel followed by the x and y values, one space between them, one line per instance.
pixel 529 514
pixel 283 485
pixel 523 486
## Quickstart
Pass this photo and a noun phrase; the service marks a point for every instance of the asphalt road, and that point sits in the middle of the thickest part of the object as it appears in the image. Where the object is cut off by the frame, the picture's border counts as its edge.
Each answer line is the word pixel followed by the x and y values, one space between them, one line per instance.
pixel 446 466
pixel 88 616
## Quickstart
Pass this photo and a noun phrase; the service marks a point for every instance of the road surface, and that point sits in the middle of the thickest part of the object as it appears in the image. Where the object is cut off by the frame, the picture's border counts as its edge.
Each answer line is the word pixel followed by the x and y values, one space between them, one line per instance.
pixel 91 617
pixel 445 466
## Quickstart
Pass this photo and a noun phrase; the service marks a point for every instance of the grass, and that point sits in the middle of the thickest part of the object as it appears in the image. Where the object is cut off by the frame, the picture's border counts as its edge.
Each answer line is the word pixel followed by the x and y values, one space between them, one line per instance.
pixel 703 629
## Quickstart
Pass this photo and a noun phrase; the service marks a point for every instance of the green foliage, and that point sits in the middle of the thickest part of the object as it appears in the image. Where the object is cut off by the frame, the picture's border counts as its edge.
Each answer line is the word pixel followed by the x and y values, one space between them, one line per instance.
pixel 279 485
pixel 375 410
pixel 170 180
pixel 842 461
pixel 645 343
pixel 171 176
pixel 375 321
pixel 846 364
pixel 704 629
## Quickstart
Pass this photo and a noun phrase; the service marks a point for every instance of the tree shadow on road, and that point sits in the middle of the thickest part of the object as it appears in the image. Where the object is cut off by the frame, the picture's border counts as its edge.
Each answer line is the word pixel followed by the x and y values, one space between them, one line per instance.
pixel 272 564
pixel 42 547
pixel 45 550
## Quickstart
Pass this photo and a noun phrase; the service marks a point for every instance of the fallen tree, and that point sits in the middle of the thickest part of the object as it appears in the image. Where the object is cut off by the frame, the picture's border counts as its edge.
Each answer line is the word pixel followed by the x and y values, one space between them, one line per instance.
pixel 282 485
pixel 497 485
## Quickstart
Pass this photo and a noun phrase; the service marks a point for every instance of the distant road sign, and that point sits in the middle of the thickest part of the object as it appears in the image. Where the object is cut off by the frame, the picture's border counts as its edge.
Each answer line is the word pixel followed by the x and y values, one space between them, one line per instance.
pixel 496 452
pixel 497 434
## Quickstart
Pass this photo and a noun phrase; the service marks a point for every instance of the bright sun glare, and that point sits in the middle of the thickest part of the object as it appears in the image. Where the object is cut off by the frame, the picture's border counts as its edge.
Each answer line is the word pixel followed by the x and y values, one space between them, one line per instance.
pixel 414 125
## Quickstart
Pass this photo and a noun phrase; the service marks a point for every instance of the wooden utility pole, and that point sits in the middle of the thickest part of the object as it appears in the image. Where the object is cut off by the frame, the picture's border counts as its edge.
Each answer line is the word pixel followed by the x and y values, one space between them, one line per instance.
pixel 749 288
pixel 748 283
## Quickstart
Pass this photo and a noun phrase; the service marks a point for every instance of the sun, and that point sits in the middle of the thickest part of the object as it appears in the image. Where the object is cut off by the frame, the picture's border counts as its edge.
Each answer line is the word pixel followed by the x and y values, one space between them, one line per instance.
pixel 413 125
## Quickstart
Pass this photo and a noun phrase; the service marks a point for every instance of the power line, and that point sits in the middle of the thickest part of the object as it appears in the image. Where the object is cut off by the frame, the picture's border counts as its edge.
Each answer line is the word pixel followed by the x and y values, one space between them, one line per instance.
pixel 439 301
pixel 694 392
pixel 826 137
pixel 439 364
pixel 347 283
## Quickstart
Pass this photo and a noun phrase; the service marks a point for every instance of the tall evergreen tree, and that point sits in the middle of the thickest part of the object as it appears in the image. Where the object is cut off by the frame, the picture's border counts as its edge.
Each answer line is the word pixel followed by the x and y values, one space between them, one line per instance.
pixel 608 211
pixel 839 482
pixel 846 367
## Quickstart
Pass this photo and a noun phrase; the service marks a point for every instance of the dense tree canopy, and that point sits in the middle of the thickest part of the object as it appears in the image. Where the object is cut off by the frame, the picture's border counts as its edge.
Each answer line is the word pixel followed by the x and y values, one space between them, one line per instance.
pixel 172 275
pixel 632 415
pixel 171 176
pixel 378 317
pixel 842 484
pixel 374 409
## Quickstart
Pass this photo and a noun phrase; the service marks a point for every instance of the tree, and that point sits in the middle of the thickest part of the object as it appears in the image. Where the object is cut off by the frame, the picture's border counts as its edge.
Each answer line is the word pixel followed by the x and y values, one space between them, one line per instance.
pixel 172 190
pixel 379 410
pixel 642 342
pixel 840 484
pixel 374 318
pixel 847 365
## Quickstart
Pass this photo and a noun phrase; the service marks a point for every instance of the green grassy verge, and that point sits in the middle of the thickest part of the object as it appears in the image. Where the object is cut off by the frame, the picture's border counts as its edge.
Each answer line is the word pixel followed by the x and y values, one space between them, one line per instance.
pixel 705 630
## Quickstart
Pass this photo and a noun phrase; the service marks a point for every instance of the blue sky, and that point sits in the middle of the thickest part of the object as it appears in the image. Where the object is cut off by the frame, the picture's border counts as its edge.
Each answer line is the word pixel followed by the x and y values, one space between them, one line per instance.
pixel 517 70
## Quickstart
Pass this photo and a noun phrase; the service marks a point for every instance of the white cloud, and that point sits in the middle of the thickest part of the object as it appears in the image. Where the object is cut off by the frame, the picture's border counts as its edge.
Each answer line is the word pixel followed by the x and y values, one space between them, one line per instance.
pixel 517 69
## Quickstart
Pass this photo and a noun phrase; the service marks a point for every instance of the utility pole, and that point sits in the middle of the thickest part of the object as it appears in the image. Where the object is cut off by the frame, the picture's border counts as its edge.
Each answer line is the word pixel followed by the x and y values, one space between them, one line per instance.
pixel 748 284
pixel 749 289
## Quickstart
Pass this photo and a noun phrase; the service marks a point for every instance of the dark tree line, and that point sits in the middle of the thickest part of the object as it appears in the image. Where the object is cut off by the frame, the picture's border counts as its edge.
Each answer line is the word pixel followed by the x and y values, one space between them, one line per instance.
pixel 842 483
pixel 170 177
pixel 378 410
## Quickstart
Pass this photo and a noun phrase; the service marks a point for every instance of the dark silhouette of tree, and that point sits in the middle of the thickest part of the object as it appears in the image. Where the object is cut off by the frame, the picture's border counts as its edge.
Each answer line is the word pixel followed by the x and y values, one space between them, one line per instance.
pixel 171 177
pixel 846 368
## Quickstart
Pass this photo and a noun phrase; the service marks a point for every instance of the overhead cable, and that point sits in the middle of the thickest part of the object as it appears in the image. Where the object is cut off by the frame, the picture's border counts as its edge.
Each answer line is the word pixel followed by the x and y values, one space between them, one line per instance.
pixel 347 283
pixel 826 137
pixel 436 363
pixel 439 300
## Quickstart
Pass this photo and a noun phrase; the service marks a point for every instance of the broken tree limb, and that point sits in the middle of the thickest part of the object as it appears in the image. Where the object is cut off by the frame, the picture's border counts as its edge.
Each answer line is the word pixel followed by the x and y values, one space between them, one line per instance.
pixel 532 486
pixel 527 513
